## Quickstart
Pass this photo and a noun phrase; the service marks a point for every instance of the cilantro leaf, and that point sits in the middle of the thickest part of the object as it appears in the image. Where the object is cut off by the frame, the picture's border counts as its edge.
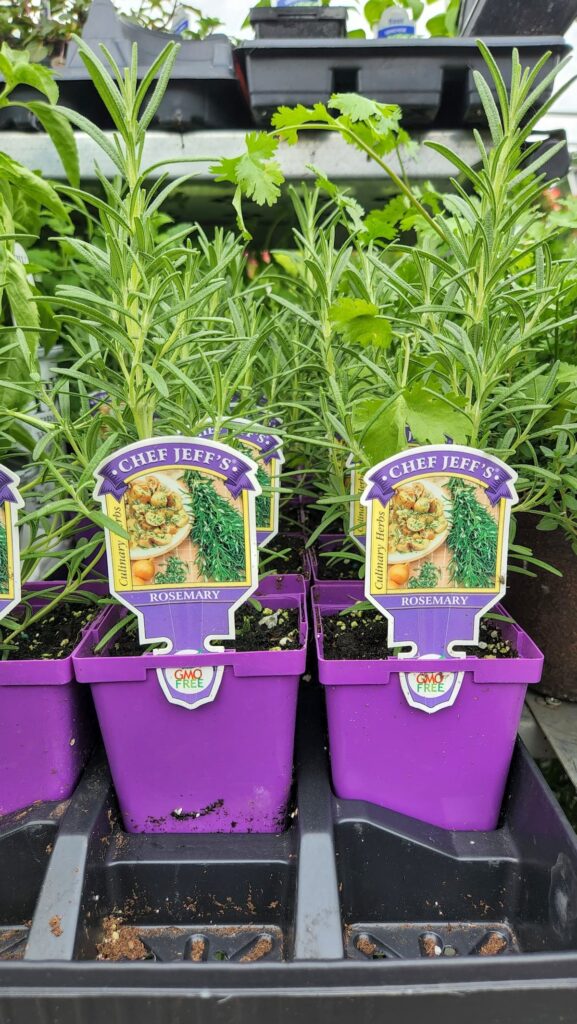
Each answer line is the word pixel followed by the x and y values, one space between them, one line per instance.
pixel 381 426
pixel 433 417
pixel 288 120
pixel 258 176
pixel 358 322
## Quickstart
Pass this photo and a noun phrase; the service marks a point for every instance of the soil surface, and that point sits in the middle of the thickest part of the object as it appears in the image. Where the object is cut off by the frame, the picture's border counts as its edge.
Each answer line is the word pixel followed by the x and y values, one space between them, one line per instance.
pixel 356 635
pixel 54 636
pixel 257 629
pixel 120 941
pixel 362 635
pixel 284 554
pixel 491 643
pixel 262 629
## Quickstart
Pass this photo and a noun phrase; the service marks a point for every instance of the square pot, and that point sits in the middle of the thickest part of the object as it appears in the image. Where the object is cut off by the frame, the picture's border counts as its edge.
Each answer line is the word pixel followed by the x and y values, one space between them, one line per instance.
pixel 224 766
pixel 449 768
pixel 47 727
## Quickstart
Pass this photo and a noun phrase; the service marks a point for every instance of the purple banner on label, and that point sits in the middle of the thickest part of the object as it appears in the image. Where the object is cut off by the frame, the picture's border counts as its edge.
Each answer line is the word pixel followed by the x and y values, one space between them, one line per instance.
pixel 192 453
pixel 493 474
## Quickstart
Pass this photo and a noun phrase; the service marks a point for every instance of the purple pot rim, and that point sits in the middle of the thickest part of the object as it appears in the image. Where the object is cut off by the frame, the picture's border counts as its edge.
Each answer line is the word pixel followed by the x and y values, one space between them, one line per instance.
pixel 525 670
pixel 103 668
pixel 47 671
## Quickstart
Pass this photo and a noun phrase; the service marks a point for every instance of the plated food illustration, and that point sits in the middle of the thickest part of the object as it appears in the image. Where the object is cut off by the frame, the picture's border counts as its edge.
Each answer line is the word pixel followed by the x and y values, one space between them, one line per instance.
pixel 418 522
pixel 156 517
pixel 184 528
pixel 442 534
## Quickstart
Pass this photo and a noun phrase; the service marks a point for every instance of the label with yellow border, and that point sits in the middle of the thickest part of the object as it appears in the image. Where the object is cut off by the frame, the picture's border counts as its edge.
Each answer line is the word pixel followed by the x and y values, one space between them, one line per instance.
pixel 437 537
pixel 10 502
pixel 184 555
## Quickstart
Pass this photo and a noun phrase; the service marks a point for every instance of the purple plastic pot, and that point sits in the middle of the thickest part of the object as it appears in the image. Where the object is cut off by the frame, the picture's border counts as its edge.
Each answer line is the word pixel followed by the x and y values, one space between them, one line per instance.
pixel 225 766
pixel 329 543
pixel 448 768
pixel 47 727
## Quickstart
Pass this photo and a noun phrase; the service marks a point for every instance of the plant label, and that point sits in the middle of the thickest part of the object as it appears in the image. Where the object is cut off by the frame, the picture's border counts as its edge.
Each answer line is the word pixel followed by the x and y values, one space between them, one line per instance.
pixel 181 547
pixel 358 514
pixel 10 502
pixel 437 538
pixel 266 450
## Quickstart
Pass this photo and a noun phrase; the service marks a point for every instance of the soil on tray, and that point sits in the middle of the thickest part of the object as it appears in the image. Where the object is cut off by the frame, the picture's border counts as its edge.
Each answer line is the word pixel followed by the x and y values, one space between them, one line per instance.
pixel 54 636
pixel 284 554
pixel 362 636
pixel 493 945
pixel 343 567
pixel 120 941
pixel 257 629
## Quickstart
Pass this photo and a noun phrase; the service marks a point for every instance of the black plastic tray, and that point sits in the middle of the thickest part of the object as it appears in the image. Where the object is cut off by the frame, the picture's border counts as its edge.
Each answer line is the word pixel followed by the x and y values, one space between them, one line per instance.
pixel 431 79
pixel 516 17
pixel 354 912
pixel 299 22
pixel 203 92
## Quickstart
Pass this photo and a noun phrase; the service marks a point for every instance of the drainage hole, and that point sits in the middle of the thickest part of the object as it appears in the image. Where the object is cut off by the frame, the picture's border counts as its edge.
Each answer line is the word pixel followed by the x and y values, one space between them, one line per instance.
pixel 492 944
pixel 430 944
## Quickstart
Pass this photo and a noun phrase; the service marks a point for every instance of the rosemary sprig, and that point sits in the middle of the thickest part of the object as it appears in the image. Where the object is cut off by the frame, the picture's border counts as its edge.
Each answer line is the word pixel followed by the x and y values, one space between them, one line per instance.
pixel 426 578
pixel 175 571
pixel 472 539
pixel 4 567
pixel 263 501
pixel 217 530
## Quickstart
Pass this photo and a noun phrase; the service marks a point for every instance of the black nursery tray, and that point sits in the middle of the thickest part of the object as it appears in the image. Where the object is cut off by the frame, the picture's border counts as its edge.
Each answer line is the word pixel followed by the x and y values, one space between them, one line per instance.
pixel 353 913
pixel 431 79
pixel 203 91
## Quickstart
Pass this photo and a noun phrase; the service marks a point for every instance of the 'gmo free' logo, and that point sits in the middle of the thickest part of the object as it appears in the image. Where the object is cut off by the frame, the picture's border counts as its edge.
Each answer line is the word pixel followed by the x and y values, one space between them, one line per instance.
pixel 190 686
pixel 432 682
pixel 190 679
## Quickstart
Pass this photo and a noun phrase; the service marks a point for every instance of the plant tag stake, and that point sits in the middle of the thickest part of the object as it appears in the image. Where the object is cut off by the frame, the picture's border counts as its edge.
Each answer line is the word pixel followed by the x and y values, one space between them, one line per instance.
pixel 190 558
pixel 437 538
pixel 266 450
pixel 10 502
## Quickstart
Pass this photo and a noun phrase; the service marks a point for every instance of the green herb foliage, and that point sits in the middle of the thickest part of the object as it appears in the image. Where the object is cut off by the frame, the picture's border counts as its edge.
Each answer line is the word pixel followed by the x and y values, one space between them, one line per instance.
pixel 176 571
pixel 263 500
pixel 4 568
pixel 217 529
pixel 472 539
pixel 426 578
